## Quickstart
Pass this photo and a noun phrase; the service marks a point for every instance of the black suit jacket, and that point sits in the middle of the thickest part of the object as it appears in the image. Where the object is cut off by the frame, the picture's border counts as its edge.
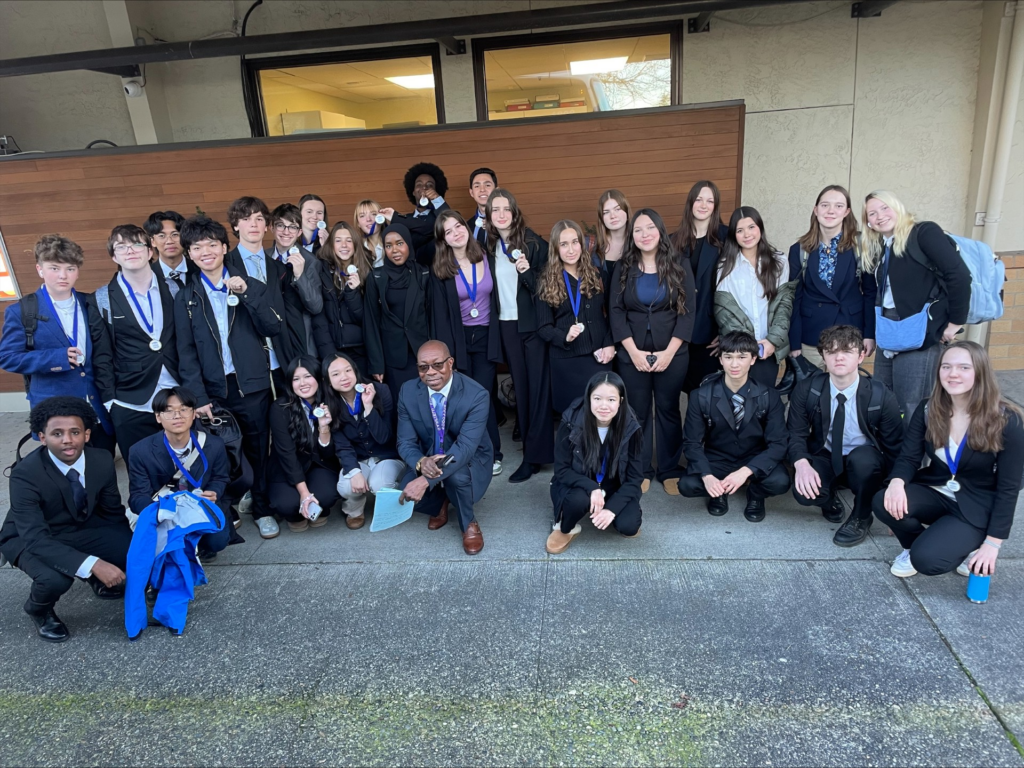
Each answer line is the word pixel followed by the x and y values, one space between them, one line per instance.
pixel 703 269
pixel 339 326
pixel 447 319
pixel 292 461
pixel 371 436
pixel 136 366
pixel 809 421
pixel 629 316
pixel 43 520
pixel 186 273
pixel 150 468
pixel 850 301
pixel 389 339
pixel 719 448
pixel 554 323
pixel 421 228
pixel 989 482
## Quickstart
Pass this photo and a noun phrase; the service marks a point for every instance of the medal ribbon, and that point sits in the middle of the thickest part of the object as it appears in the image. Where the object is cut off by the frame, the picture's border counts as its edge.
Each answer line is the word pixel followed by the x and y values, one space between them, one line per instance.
pixel 604 465
pixel 223 288
pixel 469 292
pixel 954 462
pixel 574 303
pixel 73 338
pixel 504 249
pixel 149 324
pixel 309 413
pixel 181 467
pixel 352 411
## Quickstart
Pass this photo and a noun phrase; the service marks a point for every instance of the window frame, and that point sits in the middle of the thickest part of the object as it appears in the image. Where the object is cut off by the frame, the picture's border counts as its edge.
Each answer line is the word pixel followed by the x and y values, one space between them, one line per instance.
pixel 5 256
pixel 482 45
pixel 253 66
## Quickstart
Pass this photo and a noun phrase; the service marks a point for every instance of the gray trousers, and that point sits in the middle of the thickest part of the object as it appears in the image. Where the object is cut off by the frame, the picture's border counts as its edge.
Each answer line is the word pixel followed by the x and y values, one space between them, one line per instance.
pixel 378 473
pixel 910 375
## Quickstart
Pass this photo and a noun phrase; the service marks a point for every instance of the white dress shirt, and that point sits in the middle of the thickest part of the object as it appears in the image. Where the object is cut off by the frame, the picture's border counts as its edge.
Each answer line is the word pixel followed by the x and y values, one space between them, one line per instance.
pixel 744 286
pixel 85 569
pixel 954 446
pixel 219 304
pixel 166 381
pixel 66 317
pixel 853 436
pixel 887 300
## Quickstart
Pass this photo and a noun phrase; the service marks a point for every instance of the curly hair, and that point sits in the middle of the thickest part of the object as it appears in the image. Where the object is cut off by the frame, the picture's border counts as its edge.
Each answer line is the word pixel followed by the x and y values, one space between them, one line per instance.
pixel 61 405
pixel 552 287
pixel 59 250
pixel 440 180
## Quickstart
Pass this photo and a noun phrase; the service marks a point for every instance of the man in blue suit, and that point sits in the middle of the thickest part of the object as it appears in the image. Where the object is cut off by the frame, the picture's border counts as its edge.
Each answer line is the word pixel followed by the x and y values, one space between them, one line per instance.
pixel 69 351
pixel 445 414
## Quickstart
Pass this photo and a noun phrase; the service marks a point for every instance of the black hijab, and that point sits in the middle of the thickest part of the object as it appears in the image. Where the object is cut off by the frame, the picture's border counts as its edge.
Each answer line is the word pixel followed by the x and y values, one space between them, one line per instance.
pixel 398 276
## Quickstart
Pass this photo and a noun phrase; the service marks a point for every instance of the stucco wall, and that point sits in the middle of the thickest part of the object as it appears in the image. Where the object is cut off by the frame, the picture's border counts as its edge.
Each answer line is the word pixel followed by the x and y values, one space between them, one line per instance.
pixel 882 102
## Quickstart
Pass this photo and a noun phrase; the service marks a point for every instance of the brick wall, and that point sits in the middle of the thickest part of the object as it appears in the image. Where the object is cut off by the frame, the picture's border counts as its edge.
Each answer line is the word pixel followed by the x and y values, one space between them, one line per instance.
pixel 1006 336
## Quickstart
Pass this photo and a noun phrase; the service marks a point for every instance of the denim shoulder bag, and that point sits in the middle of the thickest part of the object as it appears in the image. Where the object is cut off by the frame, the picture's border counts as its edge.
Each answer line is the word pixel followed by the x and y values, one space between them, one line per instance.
pixel 902 335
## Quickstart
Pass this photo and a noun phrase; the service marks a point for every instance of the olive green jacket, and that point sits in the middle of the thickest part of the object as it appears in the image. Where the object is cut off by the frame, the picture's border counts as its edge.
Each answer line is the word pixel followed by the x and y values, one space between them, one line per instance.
pixel 730 317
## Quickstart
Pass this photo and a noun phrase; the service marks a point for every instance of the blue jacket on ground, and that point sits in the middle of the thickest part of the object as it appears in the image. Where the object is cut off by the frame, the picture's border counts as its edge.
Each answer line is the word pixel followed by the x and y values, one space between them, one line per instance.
pixel 163 553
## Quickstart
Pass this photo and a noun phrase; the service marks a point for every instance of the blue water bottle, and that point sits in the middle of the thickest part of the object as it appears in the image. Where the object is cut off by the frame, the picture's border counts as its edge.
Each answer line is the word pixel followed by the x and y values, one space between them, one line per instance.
pixel 977 588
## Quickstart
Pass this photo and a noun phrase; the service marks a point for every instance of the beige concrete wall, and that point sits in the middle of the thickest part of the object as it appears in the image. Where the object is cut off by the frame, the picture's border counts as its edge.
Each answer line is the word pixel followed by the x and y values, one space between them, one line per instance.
pixel 1011 227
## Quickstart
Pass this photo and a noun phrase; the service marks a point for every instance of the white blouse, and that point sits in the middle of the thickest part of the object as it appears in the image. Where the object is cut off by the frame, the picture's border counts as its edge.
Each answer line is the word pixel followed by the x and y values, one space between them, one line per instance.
pixel 744 286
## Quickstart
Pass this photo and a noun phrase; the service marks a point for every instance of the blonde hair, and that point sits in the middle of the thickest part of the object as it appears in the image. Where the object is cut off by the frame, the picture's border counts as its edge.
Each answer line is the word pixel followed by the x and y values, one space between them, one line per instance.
pixel 870 244
pixel 367 242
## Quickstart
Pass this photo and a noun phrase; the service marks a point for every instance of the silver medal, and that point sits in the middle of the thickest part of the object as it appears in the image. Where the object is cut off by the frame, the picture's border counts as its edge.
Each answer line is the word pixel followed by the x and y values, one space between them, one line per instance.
pixel 352 269
pixel 360 388
pixel 155 345
pixel 321 225
pixel 380 218
pixel 953 485
pixel 424 202
pixel 319 412
pixel 474 312
pixel 293 251
pixel 580 327
pixel 232 300
pixel 516 254
pixel 79 359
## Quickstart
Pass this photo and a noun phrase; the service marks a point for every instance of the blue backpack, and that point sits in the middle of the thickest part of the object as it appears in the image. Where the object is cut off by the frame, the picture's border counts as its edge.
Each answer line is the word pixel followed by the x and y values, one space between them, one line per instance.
pixel 988 273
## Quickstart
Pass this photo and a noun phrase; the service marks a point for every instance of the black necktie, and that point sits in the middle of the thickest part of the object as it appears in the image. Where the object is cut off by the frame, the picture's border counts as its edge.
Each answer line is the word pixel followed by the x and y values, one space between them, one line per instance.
pixel 838 425
pixel 78 492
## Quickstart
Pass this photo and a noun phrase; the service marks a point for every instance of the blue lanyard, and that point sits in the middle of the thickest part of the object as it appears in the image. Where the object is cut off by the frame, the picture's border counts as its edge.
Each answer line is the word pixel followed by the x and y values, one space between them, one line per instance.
pixel 439 422
pixel 149 324
pixel 353 411
pixel 886 257
pixel 309 413
pixel 181 468
pixel 574 303
pixel 604 465
pixel 465 282
pixel 73 338
pixel 504 249
pixel 223 288
pixel 952 462
pixel 315 238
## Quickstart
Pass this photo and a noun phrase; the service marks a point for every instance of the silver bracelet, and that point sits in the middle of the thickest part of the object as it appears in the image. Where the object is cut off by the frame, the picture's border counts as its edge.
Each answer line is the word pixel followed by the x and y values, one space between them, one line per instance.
pixel 991 544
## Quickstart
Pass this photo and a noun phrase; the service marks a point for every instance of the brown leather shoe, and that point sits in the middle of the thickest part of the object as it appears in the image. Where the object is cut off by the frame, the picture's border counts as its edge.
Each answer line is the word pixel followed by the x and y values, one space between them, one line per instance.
pixel 355 523
pixel 441 520
pixel 472 539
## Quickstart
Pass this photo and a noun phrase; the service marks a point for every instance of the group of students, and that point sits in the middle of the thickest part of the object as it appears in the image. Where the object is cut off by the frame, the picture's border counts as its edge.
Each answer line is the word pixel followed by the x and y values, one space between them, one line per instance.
pixel 325 347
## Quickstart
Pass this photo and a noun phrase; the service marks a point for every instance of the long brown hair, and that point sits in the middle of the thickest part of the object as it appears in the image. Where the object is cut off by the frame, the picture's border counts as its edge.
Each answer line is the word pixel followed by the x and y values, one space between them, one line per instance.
pixel 445 264
pixel 670 266
pixel 769 267
pixel 987 409
pixel 603 233
pixel 848 239
pixel 336 265
pixel 686 236
pixel 517 232
pixel 552 286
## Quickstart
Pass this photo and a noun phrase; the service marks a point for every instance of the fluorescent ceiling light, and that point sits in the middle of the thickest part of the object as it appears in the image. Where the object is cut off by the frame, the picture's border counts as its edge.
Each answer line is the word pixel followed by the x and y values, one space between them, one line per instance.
pixel 413 81
pixel 598 66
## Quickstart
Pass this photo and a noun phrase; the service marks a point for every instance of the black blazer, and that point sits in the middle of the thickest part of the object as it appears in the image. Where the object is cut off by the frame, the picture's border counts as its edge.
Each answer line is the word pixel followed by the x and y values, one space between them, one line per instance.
pixel 447 319
pixel 946 281
pixel 201 362
pixel 481 236
pixel 150 468
pixel 809 419
pixel 554 323
pixel 989 482
pixel 293 461
pixel 703 269
pixel 390 340
pixel 43 520
pixel 850 300
pixel 340 325
pixel 421 229
pixel 526 299
pixel 718 448
pixel 136 367
pixel 372 436
pixel 629 317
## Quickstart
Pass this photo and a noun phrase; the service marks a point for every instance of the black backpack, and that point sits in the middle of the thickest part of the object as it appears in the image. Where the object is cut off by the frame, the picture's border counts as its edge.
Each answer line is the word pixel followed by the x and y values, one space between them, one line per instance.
pixel 819 382
pixel 704 399
pixel 29 305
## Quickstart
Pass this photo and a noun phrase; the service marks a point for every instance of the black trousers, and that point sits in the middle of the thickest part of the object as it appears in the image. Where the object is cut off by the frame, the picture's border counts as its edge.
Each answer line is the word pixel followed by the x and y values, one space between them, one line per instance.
pixel 662 391
pixel 766 371
pixel 948 538
pixel 863 473
pixel 458 489
pixel 322 483
pixel 483 372
pixel 527 358
pixel 570 376
pixel 775 484
pixel 107 542
pixel 253 414
pixel 396 377
pixel 702 364
pixel 277 379
pixel 131 426
pixel 577 506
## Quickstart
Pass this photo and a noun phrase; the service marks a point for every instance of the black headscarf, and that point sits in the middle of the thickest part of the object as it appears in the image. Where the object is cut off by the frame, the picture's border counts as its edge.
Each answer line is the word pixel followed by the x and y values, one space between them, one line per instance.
pixel 398 276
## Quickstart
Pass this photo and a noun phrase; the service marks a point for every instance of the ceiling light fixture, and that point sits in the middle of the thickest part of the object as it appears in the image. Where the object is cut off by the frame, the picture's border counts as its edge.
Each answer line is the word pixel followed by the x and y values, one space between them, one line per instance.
pixel 413 82
pixel 598 66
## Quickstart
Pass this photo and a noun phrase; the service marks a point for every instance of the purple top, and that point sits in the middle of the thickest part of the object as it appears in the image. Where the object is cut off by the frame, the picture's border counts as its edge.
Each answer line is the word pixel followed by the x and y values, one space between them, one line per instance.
pixel 485 284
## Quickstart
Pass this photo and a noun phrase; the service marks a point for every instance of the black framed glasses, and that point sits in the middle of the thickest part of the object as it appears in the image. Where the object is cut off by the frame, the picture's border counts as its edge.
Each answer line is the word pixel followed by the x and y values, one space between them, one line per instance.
pixel 439 367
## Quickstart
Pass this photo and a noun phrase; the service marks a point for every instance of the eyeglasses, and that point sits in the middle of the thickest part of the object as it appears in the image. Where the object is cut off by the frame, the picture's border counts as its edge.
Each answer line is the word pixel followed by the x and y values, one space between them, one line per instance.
pixel 165 236
pixel 175 412
pixel 436 366
pixel 282 227
pixel 122 248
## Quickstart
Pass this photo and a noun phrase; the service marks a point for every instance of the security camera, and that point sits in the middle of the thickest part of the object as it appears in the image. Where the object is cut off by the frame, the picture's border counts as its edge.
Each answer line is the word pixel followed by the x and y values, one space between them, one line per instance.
pixel 132 89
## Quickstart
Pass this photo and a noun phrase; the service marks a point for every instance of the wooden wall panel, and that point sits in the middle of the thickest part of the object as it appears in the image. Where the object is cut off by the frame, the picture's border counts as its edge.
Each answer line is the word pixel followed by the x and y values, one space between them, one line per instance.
pixel 557 169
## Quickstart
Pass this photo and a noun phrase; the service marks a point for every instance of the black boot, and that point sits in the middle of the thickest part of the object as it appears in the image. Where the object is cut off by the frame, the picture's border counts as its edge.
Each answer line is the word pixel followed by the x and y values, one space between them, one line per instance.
pixel 48 626
pixel 718 506
pixel 852 532
pixel 525 472
pixel 834 510
pixel 516 436
pixel 754 511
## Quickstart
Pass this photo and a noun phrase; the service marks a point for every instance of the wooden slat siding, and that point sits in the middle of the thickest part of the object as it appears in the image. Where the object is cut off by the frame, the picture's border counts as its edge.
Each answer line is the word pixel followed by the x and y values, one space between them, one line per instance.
pixel 556 170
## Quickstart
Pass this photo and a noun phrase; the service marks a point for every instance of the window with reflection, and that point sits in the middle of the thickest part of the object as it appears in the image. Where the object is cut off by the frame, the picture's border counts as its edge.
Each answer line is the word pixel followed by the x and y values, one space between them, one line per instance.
pixel 8 285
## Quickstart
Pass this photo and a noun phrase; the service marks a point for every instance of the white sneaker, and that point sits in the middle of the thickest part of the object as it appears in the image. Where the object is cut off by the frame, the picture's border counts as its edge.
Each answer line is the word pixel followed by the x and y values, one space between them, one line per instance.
pixel 268 527
pixel 962 569
pixel 496 468
pixel 902 566
pixel 245 503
